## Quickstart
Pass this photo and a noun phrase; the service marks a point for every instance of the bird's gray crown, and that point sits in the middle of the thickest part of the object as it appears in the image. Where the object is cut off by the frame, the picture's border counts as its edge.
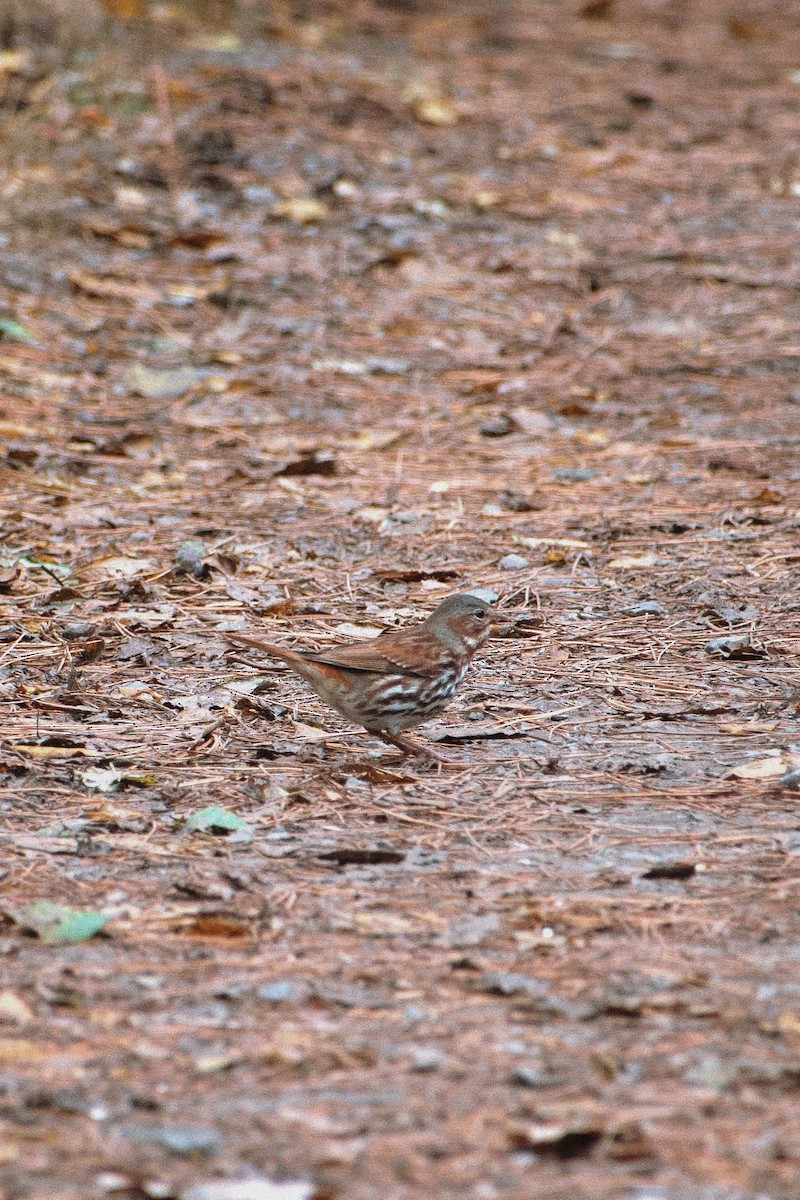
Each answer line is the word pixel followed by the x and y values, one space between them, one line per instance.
pixel 461 605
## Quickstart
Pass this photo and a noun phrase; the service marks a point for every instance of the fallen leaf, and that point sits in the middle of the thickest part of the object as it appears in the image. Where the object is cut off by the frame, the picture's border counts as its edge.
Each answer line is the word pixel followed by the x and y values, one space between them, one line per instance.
pixel 435 110
pixel 534 542
pixel 342 366
pixel 223 42
pixel 594 438
pixel 348 629
pixel 246 687
pixel 146 618
pixel 215 819
pixel 114 289
pixel 249 1189
pixel 155 384
pixel 14 1010
pixel 372 513
pixel 57 925
pixel 14 429
pixel 53 751
pixel 475 380
pixel 15 62
pixel 561 1140
pixel 124 10
pixel 109 779
pixel 210 1064
pixel 102 779
pixel 122 566
pixel 374 439
pixel 178 1139
pixel 531 422
pixel 14 332
pixel 749 727
pixel 383 924
pixel 633 562
pixel 17 1050
pixel 310 733
pixel 761 768
pixel 214 925
pixel 360 855
pixel 136 690
pixel 302 211
pixel 312 462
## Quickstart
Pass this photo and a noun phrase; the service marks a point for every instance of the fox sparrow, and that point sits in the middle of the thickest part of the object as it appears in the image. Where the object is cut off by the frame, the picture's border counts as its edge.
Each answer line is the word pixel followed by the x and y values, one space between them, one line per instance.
pixel 397 680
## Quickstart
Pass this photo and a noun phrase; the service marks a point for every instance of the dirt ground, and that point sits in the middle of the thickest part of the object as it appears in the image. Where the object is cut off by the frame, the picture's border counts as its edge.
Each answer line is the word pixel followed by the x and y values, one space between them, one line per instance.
pixel 309 316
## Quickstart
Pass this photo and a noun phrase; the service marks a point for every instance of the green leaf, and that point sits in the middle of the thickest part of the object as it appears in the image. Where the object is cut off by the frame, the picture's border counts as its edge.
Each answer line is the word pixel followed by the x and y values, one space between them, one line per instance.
pixel 217 820
pixel 15 332
pixel 57 925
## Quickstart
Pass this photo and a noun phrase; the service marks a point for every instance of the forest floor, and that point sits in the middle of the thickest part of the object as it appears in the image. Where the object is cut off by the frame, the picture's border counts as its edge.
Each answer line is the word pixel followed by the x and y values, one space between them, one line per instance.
pixel 307 320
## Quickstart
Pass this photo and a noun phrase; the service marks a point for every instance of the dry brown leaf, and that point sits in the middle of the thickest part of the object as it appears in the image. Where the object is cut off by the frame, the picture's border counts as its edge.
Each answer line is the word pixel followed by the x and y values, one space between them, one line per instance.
pixel 762 768
pixel 303 210
pixel 15 62
pixel 14 1010
pixel 214 925
pixel 789 1022
pixel 374 439
pixel 122 566
pixel 383 924
pixel 749 727
pixel 17 429
pixel 18 1050
pixel 534 543
pixel 634 562
pixel 114 289
pixel 594 438
pixel 435 110
pixel 310 733
pixel 53 751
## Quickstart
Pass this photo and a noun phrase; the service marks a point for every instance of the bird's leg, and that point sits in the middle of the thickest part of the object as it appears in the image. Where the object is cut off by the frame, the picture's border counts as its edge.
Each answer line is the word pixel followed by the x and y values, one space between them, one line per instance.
pixel 408 746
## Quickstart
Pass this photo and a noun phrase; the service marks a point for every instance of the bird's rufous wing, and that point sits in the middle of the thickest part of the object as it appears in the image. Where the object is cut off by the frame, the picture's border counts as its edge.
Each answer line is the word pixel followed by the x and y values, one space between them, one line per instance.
pixel 404 652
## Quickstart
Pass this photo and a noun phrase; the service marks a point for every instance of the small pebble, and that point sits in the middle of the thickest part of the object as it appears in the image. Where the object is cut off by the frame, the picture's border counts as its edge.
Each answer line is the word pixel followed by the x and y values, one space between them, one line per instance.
pixel 513 562
pixel 425 1058
pixel 487 595
pixel 78 629
pixel 729 647
pixel 500 426
pixel 574 474
pixel 513 501
pixel 189 559
pixel 530 1077
pixel 282 991
pixel 644 608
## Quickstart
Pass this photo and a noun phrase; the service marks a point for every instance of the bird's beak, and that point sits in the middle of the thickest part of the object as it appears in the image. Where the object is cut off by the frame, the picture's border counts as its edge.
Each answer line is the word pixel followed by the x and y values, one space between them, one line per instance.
pixel 498 622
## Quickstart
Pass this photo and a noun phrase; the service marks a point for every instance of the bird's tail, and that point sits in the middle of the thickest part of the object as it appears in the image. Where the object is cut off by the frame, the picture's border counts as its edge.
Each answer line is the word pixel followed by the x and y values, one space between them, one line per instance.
pixel 288 656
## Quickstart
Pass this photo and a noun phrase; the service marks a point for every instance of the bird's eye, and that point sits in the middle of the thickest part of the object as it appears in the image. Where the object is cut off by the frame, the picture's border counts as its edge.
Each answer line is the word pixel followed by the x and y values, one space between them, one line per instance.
pixel 480 614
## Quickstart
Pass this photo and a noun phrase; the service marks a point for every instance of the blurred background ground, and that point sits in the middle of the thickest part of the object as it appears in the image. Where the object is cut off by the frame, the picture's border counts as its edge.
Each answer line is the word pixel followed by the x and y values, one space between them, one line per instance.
pixel 309 315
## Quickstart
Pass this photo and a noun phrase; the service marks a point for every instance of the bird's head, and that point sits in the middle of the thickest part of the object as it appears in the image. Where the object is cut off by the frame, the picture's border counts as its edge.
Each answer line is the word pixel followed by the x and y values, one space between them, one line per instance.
pixel 466 616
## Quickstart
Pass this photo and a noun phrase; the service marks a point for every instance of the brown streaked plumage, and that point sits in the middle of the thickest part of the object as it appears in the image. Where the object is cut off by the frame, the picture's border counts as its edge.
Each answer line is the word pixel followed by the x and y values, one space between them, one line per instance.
pixel 397 680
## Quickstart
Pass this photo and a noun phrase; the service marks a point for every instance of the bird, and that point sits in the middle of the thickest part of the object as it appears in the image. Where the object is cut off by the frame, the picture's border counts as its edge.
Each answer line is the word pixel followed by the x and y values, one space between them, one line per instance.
pixel 401 678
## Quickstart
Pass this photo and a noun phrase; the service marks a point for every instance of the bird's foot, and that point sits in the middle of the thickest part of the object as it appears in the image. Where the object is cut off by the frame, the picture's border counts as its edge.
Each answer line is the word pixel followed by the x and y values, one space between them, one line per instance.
pixel 409 746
